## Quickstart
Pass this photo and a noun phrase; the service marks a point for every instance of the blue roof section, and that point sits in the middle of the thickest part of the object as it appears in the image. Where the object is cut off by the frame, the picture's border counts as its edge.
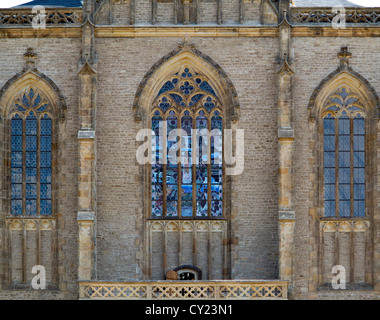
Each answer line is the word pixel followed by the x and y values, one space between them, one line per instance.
pixel 53 3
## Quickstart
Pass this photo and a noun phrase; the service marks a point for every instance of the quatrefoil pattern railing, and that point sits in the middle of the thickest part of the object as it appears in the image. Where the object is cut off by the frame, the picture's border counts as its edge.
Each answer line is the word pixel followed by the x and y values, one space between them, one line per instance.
pixel 161 290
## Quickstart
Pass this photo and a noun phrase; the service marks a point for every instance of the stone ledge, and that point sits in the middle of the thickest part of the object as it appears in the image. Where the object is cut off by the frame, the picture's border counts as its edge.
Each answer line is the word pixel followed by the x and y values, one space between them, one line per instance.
pixel 86 134
pixel 286 215
pixel 86 216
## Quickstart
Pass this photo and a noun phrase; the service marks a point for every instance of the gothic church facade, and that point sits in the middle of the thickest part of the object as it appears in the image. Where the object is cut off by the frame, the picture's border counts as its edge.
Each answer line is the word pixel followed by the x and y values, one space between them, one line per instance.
pixel 81 80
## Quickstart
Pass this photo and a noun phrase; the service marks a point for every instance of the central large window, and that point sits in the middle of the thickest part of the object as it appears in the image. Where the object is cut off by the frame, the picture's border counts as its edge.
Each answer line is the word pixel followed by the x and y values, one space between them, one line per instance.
pixel 187 176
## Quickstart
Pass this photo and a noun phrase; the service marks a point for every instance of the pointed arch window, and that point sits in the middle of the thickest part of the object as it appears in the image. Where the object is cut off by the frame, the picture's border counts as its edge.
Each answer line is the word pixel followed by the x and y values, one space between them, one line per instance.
pixel 192 186
pixel 344 135
pixel 31 155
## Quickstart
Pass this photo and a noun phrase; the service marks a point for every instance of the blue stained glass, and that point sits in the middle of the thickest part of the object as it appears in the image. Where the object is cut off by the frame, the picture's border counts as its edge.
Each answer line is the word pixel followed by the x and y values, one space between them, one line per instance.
pixel 37 101
pixel 216 208
pixel 16 127
pixel 344 192
pixel 157 208
pixel 45 159
pixel 329 208
pixel 329 126
pixel 201 123
pixel 31 159
pixel 197 97
pixel 187 88
pixel 45 127
pixel 201 174
pixel 187 124
pixel 31 207
pixel 330 192
pixel 25 101
pixel 344 126
pixel 359 127
pixel 16 207
pixel 359 208
pixel 216 123
pixel 16 143
pixel 344 159
pixel 156 174
pixel 171 192
pixel 171 208
pixel 359 159
pixel 187 175
pixel 359 143
pixel 31 191
pixel 177 98
pixel 31 126
pixel 329 143
pixel 166 87
pixel 186 209
pixel 344 175
pixel 216 175
pixel 156 192
pixel 216 192
pixel 202 208
pixel 329 175
pixel 16 159
pixel 344 208
pixel 31 175
pixel 344 143
pixel 359 192
pixel 187 192
pixel 16 191
pixel 46 207
pixel 46 191
pixel 31 143
pixel 164 106
pixel 171 175
pixel 46 143
pixel 359 175
pixel 206 87
pixel 202 192
pixel 16 175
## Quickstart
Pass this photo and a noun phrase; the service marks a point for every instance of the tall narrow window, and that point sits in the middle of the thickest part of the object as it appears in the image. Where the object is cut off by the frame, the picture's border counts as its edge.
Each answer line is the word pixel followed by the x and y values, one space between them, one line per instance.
pixel 344 155
pixel 187 183
pixel 31 165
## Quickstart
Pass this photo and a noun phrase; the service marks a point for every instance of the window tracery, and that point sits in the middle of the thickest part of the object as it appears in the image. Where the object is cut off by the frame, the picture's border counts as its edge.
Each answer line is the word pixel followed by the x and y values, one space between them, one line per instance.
pixel 191 187
pixel 31 154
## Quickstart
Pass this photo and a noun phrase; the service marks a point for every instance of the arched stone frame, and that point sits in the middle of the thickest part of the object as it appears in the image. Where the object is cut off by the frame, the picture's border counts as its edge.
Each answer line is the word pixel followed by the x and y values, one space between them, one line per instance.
pixel 320 225
pixel 146 93
pixel 45 226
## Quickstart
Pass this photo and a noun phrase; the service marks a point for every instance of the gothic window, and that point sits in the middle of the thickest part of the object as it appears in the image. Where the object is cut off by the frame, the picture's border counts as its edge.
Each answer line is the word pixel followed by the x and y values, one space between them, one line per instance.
pixel 189 183
pixel 31 155
pixel 344 144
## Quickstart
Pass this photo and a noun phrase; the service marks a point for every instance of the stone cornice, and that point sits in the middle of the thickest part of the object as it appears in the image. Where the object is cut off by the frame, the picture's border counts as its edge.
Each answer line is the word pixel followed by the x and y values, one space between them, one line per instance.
pixel 103 31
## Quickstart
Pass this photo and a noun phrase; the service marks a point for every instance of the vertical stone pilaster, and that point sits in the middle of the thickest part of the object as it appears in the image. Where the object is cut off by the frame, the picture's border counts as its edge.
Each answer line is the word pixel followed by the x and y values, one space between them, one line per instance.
pixel 86 267
pixel 186 11
pixel 87 77
pixel 286 213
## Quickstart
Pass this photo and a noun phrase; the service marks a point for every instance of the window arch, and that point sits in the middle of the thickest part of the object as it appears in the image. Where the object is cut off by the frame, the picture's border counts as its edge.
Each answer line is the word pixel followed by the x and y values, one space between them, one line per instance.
pixel 31 154
pixel 344 154
pixel 189 183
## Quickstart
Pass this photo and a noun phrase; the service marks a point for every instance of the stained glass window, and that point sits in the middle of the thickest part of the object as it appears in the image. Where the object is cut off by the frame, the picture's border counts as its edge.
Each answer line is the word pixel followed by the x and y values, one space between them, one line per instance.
pixel 187 179
pixel 31 164
pixel 344 155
